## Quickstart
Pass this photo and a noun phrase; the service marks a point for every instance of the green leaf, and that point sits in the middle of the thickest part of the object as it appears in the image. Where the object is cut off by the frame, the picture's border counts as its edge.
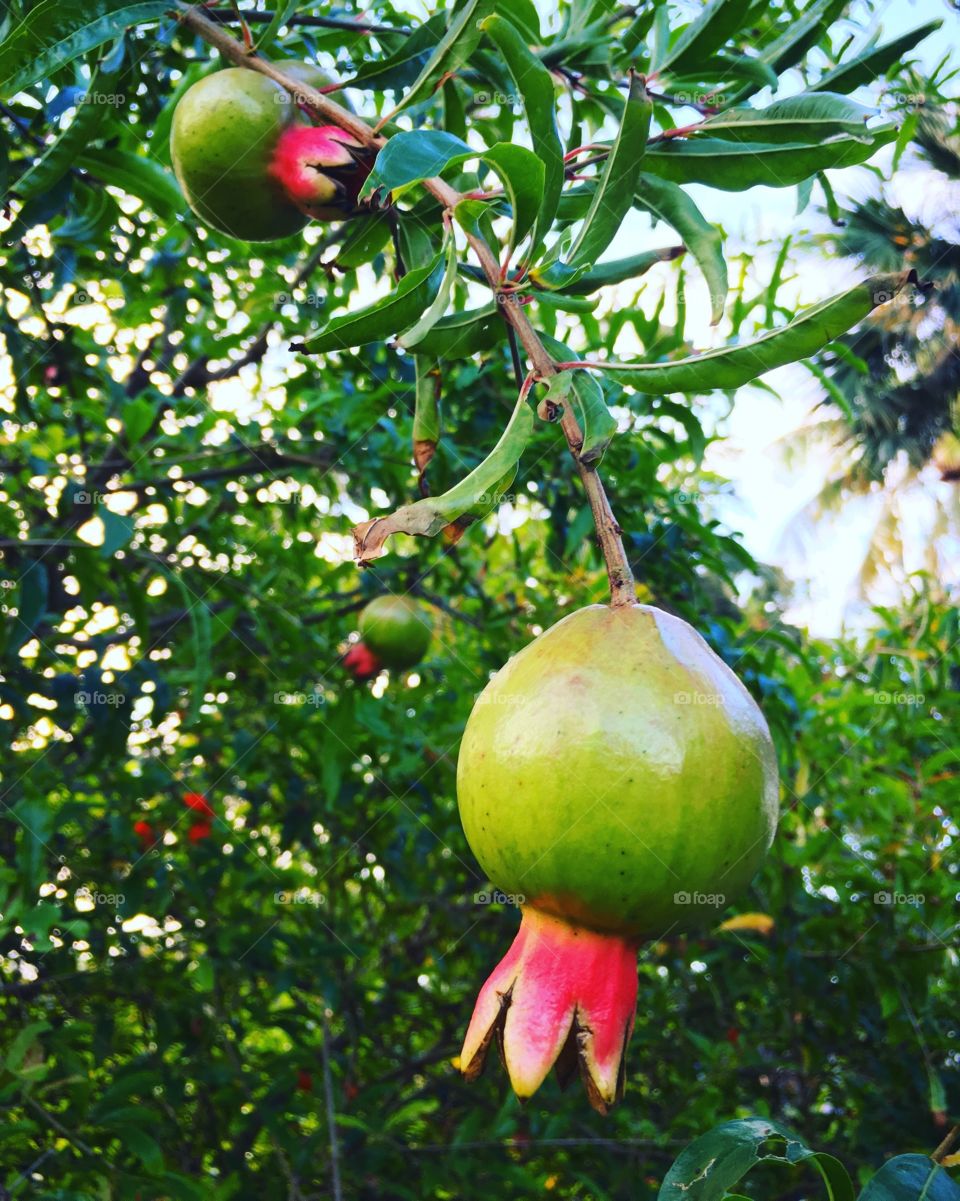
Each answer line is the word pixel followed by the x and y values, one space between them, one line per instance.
pixel 716 1161
pixel 410 157
pixel 438 305
pixel 426 413
pixel 138 416
pixel 365 239
pixel 534 84
pixel 137 176
pixel 460 334
pixel 31 604
pixel 523 179
pixel 733 168
pixel 143 1145
pixel 384 317
pixel 61 154
pixel 614 195
pixel 118 529
pixel 24 1040
pixel 703 37
pixel 54 32
pixel 584 394
pixel 453 49
pixel 732 366
pixel 619 270
pixel 801 33
pixel 806 119
pixel 911 1178
pixel 284 10
pixel 467 502
pixel 704 241
pixel 875 61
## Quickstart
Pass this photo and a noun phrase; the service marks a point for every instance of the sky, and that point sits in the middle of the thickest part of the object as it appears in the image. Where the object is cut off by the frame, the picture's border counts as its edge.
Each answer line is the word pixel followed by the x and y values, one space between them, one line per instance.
pixel 767 493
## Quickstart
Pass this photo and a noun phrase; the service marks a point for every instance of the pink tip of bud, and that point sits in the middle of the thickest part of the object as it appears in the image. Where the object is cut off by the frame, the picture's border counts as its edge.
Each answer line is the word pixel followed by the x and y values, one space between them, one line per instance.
pixel 315 166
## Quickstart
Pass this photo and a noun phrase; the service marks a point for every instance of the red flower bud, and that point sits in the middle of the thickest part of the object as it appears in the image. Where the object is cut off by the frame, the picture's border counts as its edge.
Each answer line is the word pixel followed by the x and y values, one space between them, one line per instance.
pixel 361 662
pixel 146 833
pixel 197 801
pixel 198 831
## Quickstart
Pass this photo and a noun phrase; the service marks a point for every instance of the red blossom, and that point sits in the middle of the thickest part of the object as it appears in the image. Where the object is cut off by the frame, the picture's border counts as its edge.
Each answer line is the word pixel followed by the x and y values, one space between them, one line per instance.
pixel 197 801
pixel 198 831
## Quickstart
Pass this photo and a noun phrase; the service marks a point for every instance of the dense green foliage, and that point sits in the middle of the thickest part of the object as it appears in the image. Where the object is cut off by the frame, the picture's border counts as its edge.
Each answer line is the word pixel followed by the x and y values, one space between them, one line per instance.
pixel 179 992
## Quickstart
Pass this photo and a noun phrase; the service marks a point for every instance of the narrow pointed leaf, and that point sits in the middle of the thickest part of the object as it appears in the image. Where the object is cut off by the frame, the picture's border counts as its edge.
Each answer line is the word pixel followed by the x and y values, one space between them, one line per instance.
pixel 453 49
pixel 384 317
pixel 54 32
pixel 426 415
pixel 614 195
pixel 621 270
pixel 806 119
pixel 137 176
pixel 732 366
pixel 467 502
pixel 438 306
pixel 716 24
pixel 873 62
pixel 461 334
pixel 536 91
pixel 704 241
pixel 734 168
pixel 410 157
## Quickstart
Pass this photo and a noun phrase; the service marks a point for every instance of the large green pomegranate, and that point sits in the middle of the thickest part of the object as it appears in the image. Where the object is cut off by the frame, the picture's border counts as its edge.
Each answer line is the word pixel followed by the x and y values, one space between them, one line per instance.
pixel 397 629
pixel 618 779
pixel 239 143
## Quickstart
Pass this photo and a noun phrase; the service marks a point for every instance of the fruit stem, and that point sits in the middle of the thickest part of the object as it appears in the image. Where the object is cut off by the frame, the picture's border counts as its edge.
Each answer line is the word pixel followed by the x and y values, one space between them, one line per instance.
pixel 622 589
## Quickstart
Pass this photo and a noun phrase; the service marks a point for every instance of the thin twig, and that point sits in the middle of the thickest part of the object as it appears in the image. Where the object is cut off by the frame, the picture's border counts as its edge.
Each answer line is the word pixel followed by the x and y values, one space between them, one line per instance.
pixel 331 1112
pixel 304 19
pixel 622 588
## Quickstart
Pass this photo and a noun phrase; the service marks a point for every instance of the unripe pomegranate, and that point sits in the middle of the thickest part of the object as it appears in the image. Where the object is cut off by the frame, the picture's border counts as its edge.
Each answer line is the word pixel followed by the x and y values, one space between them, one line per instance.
pixel 618 777
pixel 397 629
pixel 230 127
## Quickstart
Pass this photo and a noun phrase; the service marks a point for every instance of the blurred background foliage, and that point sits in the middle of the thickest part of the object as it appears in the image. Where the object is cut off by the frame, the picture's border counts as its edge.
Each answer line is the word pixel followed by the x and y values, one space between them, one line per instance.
pixel 186 1002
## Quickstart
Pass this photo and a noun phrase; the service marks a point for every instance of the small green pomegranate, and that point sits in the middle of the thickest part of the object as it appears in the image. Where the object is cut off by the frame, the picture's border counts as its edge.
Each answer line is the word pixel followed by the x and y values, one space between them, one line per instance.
pixel 249 163
pixel 397 630
pixel 618 777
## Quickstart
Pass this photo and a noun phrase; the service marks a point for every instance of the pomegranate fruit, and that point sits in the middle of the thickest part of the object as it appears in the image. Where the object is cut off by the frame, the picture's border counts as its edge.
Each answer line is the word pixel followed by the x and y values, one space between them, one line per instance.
pixel 619 780
pixel 397 629
pixel 238 142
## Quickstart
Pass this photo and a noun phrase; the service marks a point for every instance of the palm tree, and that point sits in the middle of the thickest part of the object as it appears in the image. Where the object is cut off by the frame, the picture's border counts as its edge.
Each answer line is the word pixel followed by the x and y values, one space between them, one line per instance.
pixel 891 414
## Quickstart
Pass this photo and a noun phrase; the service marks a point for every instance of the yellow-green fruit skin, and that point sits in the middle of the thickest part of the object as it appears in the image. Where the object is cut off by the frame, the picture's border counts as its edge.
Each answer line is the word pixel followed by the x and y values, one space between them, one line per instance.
pixel 615 772
pixel 222 138
pixel 397 629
